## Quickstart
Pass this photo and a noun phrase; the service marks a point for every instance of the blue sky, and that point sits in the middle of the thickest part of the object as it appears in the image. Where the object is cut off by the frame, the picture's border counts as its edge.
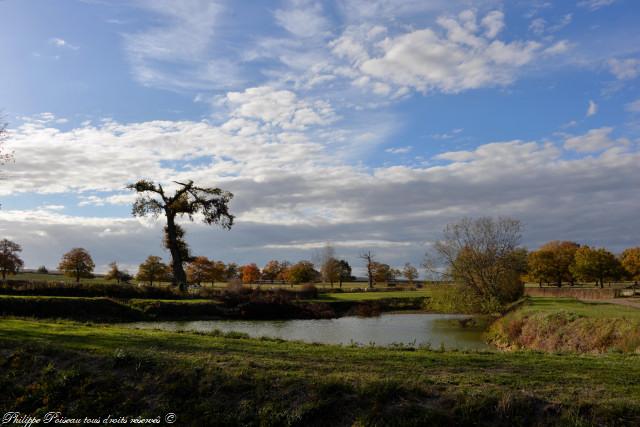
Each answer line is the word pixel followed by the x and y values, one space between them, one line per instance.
pixel 366 124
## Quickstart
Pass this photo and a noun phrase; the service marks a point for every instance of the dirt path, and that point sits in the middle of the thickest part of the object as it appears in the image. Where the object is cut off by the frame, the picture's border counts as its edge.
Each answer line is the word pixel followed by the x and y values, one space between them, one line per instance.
pixel 629 302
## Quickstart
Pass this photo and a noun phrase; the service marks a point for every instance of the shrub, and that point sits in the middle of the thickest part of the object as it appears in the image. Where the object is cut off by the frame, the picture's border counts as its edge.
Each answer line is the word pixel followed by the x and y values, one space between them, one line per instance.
pixel 452 299
pixel 308 291
pixel 23 287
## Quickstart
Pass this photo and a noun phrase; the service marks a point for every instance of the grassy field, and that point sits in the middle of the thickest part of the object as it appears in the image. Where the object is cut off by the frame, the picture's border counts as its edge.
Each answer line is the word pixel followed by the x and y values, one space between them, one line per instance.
pixel 593 309
pixel 568 325
pixel 372 296
pixel 81 370
pixel 48 277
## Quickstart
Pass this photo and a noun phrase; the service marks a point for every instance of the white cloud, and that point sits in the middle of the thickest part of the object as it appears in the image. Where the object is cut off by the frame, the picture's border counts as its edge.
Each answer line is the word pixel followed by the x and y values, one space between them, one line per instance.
pixel 291 193
pixel 280 108
pixel 302 18
pixel 557 48
pixel 175 52
pixel 493 23
pixel 540 26
pixel 466 56
pixel 624 69
pixel 58 42
pixel 399 150
pixel 633 107
pixel 592 110
pixel 594 140
pixel 595 4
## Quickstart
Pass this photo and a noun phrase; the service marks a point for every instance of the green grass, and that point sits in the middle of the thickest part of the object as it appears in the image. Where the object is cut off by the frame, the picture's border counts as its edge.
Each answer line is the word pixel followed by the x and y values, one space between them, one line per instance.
pixel 568 325
pixel 57 278
pixel 371 296
pixel 581 308
pixel 76 368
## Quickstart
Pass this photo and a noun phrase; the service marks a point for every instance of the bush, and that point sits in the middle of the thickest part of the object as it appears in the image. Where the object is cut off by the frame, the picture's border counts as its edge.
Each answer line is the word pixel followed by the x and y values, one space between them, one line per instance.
pixel 308 291
pixel 23 287
pixel 453 299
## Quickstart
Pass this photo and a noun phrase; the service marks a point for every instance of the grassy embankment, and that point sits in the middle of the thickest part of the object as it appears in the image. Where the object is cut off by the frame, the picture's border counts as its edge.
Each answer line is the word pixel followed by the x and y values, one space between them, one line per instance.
pixel 83 370
pixel 568 325
pixel 260 306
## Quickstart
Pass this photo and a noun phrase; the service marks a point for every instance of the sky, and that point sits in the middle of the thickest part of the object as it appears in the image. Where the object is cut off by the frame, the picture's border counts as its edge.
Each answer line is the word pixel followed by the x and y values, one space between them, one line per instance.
pixel 364 124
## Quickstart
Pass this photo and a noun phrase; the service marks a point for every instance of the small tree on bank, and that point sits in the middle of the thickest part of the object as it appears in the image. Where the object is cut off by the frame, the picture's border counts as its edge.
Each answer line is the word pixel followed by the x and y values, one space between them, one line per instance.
pixel 188 199
pixel 77 263
pixel 483 255
pixel 10 261
pixel 153 270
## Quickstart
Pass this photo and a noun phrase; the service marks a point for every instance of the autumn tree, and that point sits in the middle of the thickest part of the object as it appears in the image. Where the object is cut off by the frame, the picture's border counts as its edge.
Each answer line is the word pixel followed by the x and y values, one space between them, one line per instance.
pixel 410 273
pixel 152 270
pixel 551 262
pixel 344 272
pixel 115 273
pixel 77 263
pixel 483 255
pixel 630 260
pixel 187 200
pixel 10 261
pixel 284 272
pixel 382 273
pixel 250 273
pixel 271 270
pixel 597 265
pixel 201 269
pixel 369 260
pixel 302 272
pixel 231 271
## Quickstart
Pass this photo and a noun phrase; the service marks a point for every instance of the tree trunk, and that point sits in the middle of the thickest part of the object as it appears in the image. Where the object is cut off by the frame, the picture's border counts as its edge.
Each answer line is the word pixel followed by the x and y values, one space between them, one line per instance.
pixel 179 276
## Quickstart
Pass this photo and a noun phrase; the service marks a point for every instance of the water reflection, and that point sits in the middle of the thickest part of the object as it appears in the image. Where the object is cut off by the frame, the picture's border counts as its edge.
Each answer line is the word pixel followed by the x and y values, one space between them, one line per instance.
pixel 453 331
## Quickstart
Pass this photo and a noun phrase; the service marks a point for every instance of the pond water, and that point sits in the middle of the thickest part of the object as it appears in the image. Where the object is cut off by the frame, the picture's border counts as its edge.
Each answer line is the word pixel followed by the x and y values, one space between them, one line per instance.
pixel 453 331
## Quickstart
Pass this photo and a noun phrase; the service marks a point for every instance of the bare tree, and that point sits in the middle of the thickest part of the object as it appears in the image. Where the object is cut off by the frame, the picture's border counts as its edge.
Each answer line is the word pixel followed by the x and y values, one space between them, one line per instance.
pixel 370 263
pixel 482 254
pixel 189 200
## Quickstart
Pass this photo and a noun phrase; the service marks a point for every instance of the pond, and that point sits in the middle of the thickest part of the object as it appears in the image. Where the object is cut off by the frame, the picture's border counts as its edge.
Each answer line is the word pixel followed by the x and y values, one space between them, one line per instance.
pixel 453 331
